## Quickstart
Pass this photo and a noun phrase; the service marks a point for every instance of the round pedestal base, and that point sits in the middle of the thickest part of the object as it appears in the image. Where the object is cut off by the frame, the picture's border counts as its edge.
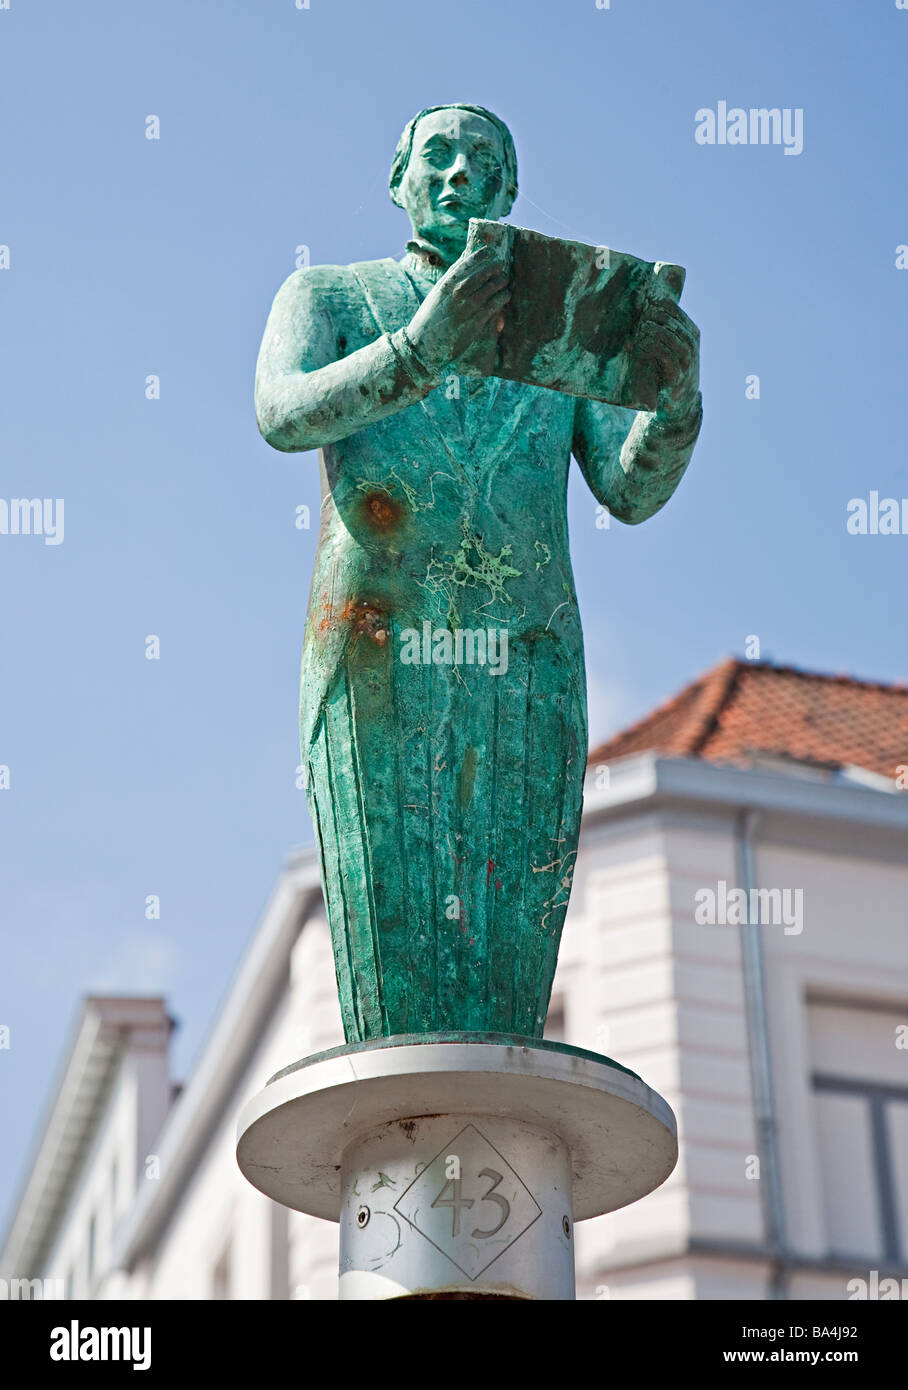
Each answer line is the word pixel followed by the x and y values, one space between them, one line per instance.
pixel 457 1167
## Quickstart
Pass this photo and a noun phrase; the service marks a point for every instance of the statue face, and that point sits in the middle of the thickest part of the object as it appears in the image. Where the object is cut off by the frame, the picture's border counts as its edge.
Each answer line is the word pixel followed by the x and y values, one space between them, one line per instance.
pixel 455 172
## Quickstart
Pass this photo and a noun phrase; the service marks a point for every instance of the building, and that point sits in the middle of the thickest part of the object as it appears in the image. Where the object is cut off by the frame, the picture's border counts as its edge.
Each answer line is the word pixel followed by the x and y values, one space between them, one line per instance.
pixel 738 935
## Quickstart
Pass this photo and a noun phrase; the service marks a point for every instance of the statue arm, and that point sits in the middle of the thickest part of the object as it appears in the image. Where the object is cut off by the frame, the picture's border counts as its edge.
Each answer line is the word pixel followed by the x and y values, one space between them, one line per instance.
pixel 633 462
pixel 307 394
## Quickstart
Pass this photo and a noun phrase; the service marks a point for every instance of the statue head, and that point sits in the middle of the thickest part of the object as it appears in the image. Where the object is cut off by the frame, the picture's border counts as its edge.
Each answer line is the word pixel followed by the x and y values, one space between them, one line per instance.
pixel 453 163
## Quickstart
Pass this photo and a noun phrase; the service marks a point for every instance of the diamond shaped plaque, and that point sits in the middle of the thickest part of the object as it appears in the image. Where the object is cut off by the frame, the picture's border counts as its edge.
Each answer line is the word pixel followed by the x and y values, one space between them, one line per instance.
pixel 469 1202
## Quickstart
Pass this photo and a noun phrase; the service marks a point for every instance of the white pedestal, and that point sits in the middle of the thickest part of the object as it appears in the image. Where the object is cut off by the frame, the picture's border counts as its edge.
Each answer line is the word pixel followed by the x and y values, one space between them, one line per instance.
pixel 457 1167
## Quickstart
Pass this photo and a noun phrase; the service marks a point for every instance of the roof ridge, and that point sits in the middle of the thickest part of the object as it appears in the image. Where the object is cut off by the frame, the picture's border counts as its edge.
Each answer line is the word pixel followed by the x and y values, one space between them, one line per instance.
pixel 724 678
pixel 897 687
pixel 667 705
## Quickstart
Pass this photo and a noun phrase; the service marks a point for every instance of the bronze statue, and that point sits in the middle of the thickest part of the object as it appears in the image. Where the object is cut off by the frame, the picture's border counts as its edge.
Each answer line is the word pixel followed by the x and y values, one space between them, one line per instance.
pixel 443 701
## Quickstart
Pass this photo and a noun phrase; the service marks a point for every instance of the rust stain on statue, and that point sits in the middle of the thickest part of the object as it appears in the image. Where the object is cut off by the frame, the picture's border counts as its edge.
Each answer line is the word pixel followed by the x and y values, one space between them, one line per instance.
pixel 381 511
pixel 366 620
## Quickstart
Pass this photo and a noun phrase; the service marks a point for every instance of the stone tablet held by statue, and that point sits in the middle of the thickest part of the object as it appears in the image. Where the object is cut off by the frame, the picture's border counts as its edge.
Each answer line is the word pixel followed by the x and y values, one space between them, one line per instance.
pixel 574 316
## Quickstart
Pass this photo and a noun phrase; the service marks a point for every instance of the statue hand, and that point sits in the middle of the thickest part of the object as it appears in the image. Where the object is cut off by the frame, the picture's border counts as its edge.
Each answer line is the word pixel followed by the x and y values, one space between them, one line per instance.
pixel 668 335
pixel 463 308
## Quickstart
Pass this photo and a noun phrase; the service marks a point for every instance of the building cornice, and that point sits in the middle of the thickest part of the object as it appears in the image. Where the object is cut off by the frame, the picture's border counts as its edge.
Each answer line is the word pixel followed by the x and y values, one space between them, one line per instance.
pixel 105 1030
pixel 648 780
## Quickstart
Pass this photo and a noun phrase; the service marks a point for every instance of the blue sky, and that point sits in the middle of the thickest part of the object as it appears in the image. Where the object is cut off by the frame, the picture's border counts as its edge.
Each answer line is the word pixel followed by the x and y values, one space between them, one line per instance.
pixel 130 257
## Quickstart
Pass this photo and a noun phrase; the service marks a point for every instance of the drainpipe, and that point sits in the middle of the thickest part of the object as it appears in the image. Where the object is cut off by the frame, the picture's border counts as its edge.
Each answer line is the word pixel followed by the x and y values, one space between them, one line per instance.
pixel 754 976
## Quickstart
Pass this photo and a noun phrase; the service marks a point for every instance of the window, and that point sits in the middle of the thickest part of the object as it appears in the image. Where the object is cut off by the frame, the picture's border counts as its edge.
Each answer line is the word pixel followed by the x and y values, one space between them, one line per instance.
pixel 868 1128
pixel 860 1084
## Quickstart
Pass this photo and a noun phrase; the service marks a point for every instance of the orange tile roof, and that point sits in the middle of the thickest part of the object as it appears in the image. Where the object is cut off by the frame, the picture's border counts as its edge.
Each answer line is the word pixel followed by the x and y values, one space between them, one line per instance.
pixel 742 709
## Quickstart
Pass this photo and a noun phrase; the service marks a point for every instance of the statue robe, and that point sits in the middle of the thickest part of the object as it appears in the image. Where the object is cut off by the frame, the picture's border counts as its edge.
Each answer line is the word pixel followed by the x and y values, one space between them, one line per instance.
pixel 446 798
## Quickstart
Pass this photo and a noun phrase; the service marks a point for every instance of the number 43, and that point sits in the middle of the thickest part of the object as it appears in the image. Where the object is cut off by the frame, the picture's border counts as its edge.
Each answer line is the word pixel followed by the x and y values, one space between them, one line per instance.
pixel 458 1201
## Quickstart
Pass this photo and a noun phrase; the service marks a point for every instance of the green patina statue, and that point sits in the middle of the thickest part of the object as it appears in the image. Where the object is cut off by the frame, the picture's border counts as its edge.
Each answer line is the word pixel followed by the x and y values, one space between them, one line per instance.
pixel 443 704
